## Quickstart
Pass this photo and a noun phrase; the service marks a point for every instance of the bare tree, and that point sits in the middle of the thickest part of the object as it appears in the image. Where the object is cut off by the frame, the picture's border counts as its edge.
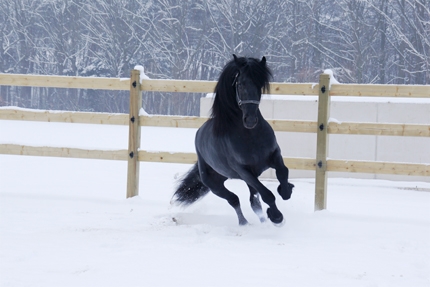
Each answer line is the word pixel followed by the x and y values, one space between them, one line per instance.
pixel 362 41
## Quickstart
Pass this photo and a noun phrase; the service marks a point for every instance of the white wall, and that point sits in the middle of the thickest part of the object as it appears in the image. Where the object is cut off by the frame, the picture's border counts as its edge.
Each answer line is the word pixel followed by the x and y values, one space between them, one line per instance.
pixel 351 147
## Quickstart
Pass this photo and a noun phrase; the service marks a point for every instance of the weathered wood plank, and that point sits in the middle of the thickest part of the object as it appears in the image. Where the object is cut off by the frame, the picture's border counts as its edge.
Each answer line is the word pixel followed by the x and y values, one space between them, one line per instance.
pixel 101 83
pixel 304 89
pixel 364 90
pixel 188 86
pixel 134 135
pixel 172 121
pixel 396 168
pixel 381 129
pixel 96 83
pixel 196 122
pixel 293 126
pixel 300 163
pixel 63 117
pixel 168 157
pixel 191 158
pixel 182 86
pixel 14 149
pixel 322 143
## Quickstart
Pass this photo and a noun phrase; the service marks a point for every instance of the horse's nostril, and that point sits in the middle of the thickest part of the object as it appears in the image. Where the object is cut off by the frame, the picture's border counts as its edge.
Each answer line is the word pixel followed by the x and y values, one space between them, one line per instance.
pixel 250 122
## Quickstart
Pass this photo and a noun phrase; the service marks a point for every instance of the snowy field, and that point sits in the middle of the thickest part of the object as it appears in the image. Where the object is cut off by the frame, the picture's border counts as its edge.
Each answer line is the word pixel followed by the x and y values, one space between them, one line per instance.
pixel 66 222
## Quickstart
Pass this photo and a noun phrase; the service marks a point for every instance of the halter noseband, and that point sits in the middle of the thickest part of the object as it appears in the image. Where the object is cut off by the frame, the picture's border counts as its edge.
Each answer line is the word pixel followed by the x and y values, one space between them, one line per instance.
pixel 239 101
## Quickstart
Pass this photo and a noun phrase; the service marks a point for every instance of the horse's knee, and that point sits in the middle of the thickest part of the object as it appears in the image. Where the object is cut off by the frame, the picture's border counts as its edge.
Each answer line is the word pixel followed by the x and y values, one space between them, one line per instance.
pixel 282 173
pixel 268 197
pixel 285 190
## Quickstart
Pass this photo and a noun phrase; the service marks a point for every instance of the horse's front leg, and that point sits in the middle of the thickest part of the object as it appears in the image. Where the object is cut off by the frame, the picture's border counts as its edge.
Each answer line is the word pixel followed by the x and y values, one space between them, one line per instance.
pixel 272 212
pixel 285 189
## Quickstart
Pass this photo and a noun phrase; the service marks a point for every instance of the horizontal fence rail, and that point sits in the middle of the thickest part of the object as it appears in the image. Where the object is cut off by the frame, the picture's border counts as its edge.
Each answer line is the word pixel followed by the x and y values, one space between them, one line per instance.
pixel 347 128
pixel 188 86
pixel 63 117
pixel 190 158
pixel 364 90
pixel 382 129
pixel 63 152
pixel 67 82
pixel 352 128
pixel 378 167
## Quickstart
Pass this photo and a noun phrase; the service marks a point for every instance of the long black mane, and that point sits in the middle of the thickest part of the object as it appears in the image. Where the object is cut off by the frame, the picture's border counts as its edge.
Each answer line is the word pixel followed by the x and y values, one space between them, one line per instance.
pixel 225 109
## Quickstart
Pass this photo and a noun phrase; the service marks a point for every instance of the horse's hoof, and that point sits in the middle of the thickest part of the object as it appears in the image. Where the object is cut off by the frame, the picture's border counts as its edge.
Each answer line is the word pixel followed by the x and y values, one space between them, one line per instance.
pixel 285 191
pixel 279 224
pixel 275 218
pixel 243 222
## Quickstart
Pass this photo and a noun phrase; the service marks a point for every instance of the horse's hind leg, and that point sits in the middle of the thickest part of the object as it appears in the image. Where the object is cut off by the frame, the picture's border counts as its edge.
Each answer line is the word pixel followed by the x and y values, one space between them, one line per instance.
pixel 256 204
pixel 215 182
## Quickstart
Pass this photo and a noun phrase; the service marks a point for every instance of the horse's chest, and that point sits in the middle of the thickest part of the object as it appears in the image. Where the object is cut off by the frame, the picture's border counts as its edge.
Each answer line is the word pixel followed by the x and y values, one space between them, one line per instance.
pixel 252 150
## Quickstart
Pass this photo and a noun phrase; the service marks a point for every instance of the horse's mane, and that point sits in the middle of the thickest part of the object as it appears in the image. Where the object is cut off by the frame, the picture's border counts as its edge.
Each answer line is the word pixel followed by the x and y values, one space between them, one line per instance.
pixel 225 109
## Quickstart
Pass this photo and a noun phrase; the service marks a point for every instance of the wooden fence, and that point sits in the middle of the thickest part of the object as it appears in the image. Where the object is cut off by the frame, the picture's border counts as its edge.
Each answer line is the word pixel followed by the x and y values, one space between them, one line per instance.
pixel 133 155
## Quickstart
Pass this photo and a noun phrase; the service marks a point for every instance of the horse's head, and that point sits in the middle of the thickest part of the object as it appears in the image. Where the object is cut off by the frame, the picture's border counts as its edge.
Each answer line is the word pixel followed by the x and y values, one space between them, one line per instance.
pixel 238 93
pixel 251 78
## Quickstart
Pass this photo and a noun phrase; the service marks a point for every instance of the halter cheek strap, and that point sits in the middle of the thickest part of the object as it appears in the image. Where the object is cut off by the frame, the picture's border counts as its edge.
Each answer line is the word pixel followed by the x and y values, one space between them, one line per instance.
pixel 239 101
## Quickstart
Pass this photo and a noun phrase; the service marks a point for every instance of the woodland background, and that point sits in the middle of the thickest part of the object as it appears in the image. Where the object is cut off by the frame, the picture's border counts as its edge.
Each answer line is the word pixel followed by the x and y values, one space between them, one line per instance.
pixel 378 42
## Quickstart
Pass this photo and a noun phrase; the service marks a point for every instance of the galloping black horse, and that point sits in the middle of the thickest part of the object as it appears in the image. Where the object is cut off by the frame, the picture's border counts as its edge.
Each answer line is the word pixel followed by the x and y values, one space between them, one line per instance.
pixel 237 142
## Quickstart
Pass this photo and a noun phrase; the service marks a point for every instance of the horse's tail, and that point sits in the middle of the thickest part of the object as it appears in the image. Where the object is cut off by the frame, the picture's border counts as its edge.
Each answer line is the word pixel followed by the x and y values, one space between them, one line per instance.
pixel 190 188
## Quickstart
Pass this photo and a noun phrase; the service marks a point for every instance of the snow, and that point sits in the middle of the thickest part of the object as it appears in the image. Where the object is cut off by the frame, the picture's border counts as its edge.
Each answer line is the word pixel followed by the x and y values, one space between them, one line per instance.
pixel 66 222
pixel 142 112
pixel 143 76
pixel 334 120
pixel 332 78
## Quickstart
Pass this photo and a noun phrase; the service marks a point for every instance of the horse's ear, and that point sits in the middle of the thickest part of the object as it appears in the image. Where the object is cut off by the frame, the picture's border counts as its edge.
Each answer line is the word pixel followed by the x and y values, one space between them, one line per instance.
pixel 235 58
pixel 263 61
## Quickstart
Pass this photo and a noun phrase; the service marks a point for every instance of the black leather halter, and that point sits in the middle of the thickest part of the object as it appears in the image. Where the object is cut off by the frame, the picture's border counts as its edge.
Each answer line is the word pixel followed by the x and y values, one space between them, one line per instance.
pixel 238 99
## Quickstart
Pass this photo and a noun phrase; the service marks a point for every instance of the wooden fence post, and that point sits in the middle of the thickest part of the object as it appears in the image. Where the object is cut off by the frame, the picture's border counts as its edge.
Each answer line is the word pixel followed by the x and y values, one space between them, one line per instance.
pixel 134 135
pixel 322 143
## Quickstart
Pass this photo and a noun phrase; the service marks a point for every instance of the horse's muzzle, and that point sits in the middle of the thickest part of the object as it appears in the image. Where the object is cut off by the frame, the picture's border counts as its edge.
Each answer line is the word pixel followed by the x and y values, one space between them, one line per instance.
pixel 250 122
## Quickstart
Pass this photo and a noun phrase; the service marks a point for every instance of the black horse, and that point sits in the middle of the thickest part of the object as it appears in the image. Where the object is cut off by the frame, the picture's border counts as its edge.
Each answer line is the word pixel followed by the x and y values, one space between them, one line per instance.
pixel 237 142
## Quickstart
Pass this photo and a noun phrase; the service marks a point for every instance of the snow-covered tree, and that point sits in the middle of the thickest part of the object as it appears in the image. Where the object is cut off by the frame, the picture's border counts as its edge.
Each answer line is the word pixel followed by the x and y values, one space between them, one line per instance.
pixel 362 41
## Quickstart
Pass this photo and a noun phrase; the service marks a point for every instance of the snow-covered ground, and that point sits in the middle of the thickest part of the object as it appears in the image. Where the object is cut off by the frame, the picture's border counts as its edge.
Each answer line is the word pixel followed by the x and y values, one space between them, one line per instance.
pixel 66 222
